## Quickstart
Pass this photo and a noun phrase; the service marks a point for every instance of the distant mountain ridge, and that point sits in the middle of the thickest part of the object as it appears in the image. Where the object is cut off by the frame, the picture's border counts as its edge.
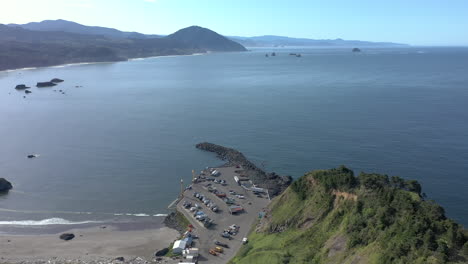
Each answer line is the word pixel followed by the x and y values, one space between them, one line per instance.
pixel 73 27
pixel 21 47
pixel 257 41
pixel 279 41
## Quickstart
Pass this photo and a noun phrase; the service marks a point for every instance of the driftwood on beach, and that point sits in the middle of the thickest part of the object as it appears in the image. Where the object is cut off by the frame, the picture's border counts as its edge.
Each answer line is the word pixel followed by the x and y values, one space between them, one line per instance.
pixel 275 183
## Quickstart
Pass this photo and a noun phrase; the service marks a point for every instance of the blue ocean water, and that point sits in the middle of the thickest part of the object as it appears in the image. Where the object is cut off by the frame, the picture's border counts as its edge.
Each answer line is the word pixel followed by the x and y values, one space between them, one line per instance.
pixel 121 142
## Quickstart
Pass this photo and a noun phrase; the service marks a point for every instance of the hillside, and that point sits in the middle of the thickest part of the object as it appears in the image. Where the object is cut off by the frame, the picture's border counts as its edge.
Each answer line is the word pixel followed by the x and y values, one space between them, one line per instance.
pixel 21 48
pixel 198 37
pixel 279 41
pixel 331 216
pixel 72 27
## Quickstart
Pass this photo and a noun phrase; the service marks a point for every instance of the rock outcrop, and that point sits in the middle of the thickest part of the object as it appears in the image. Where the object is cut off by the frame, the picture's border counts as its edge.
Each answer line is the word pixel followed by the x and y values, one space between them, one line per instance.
pixel 45 84
pixel 56 80
pixel 275 183
pixel 21 87
pixel 5 185
pixel 356 50
pixel 67 236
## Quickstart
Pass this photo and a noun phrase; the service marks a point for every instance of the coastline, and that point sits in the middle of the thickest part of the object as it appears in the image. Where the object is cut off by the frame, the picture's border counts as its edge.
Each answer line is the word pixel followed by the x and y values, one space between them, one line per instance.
pixel 96 62
pixel 136 239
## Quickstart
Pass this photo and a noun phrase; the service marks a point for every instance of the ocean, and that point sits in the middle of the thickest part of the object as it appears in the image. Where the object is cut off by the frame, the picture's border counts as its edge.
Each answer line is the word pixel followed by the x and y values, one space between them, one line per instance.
pixel 115 146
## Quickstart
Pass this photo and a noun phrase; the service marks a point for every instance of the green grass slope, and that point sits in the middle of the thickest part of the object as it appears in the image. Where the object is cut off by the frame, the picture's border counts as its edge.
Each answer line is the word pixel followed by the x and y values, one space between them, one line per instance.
pixel 331 216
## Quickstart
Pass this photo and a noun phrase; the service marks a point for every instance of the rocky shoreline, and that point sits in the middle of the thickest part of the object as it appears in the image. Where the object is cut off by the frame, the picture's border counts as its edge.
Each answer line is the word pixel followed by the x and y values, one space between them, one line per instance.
pixel 275 183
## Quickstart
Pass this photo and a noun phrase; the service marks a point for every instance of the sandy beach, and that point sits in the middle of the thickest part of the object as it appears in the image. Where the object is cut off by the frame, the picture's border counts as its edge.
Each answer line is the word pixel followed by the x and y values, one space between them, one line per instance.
pixel 90 245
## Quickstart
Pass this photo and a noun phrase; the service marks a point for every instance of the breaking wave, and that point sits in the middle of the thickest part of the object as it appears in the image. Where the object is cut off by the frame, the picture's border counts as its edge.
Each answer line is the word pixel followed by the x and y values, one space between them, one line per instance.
pixel 50 221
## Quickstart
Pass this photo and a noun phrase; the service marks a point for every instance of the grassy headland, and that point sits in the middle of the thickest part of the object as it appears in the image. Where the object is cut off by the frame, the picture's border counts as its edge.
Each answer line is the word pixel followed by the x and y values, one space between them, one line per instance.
pixel 332 216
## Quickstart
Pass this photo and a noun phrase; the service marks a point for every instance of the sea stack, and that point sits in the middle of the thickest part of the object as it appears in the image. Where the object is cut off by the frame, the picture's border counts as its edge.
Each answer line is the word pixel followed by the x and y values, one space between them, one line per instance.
pixel 21 87
pixel 356 50
pixel 45 84
pixel 5 185
pixel 56 80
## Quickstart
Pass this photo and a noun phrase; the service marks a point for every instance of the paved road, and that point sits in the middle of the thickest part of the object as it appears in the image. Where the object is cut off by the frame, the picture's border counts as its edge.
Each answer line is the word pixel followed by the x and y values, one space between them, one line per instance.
pixel 222 219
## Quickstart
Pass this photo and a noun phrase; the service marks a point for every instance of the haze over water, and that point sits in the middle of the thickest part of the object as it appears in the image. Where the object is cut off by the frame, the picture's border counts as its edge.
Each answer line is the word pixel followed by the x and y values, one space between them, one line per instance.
pixel 120 143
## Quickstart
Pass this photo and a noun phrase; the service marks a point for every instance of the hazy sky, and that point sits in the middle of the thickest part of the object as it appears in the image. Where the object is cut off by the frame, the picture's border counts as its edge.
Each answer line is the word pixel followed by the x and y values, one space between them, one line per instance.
pixel 417 22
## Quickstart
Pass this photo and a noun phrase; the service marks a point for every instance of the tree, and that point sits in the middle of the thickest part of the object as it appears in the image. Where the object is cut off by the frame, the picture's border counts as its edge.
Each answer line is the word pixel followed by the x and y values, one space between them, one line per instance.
pixel 430 241
pixel 413 186
pixel 397 182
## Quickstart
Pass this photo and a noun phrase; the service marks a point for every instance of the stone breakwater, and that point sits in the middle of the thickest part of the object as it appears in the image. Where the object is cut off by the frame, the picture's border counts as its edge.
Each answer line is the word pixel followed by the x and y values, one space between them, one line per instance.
pixel 275 183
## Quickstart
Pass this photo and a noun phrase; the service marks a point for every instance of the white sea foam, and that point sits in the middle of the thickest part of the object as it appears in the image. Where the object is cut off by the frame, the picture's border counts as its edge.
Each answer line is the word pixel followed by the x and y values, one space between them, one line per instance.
pixel 160 215
pixel 140 215
pixel 50 221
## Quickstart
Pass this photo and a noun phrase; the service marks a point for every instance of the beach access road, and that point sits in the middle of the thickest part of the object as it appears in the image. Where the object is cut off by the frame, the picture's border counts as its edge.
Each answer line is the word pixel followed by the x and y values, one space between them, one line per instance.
pixel 222 219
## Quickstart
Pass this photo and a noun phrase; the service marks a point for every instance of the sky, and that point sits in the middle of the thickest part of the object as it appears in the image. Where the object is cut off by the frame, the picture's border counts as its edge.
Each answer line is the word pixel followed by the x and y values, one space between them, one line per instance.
pixel 415 22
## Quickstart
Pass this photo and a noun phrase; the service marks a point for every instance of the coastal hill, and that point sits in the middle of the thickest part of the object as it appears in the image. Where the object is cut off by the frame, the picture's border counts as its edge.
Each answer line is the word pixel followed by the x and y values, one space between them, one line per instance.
pixel 332 216
pixel 21 48
pixel 279 41
pixel 196 37
pixel 73 27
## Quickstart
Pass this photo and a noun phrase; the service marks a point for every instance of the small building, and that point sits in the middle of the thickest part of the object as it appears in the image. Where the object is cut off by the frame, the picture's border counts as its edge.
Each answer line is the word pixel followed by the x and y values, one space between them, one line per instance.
pixel 215 173
pixel 188 241
pixel 257 190
pixel 179 247
pixel 191 258
pixel 191 252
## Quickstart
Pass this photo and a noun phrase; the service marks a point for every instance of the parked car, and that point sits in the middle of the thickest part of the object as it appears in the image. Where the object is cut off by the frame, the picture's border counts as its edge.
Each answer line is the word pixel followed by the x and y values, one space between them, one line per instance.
pixel 226 235
pixel 219 249
pixel 221 244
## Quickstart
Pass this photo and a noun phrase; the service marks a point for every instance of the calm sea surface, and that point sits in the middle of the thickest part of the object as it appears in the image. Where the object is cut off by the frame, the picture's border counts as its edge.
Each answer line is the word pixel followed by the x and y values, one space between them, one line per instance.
pixel 121 143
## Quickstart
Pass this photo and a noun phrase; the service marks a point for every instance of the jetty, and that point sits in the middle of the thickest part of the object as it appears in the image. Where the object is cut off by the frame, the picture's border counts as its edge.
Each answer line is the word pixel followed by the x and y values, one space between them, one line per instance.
pixel 222 204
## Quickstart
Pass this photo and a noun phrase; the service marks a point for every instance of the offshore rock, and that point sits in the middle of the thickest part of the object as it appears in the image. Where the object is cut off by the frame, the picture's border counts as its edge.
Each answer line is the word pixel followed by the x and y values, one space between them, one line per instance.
pixel 45 84
pixel 56 80
pixel 21 87
pixel 5 185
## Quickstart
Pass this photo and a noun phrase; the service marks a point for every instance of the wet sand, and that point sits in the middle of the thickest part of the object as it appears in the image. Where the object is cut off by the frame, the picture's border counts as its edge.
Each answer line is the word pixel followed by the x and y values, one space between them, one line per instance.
pixel 90 244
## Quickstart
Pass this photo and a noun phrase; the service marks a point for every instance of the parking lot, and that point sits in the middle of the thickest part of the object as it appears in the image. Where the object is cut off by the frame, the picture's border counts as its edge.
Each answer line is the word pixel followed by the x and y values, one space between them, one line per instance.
pixel 237 196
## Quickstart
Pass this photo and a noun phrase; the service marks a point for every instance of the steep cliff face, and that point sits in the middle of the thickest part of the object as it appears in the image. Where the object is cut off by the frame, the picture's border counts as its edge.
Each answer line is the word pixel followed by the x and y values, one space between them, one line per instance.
pixel 331 216
pixel 275 183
